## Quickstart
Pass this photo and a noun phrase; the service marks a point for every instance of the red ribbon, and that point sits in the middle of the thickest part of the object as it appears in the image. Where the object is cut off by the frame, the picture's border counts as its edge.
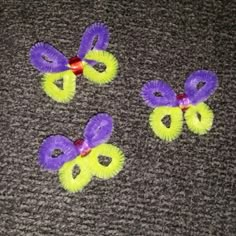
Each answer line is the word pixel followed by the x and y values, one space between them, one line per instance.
pixel 76 65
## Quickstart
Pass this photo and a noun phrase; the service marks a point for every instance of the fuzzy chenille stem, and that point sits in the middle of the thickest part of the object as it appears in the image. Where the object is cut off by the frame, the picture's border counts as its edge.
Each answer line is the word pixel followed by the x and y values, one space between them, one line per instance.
pixel 98 130
pixel 52 143
pixel 167 95
pixel 196 95
pixel 96 31
pixel 46 58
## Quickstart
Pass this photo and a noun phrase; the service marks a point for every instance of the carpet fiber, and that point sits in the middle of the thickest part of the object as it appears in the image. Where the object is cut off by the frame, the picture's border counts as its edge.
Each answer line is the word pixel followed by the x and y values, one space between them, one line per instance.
pixel 186 187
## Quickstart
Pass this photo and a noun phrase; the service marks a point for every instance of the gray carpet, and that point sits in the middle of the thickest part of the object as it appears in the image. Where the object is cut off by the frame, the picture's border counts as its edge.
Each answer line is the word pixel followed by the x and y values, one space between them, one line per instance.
pixel 187 187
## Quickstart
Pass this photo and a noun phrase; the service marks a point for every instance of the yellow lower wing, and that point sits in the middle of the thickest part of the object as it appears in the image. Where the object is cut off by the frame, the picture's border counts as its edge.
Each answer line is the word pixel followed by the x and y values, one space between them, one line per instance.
pixel 113 168
pixel 199 118
pixel 67 92
pixel 66 178
pixel 109 62
pixel 160 129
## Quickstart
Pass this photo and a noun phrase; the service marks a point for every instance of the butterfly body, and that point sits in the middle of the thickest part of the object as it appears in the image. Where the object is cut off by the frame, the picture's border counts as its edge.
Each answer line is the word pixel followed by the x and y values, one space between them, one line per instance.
pixel 55 66
pixel 189 105
pixel 76 65
pixel 183 101
pixel 82 146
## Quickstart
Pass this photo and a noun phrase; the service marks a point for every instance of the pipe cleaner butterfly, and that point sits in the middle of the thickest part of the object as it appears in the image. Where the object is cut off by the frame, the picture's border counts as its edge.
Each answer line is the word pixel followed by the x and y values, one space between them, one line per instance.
pixel 83 153
pixel 191 102
pixel 47 59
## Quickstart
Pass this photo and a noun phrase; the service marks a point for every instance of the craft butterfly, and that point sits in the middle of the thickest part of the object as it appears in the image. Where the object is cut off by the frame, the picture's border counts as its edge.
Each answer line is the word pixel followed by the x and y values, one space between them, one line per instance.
pixel 83 153
pixel 55 65
pixel 191 102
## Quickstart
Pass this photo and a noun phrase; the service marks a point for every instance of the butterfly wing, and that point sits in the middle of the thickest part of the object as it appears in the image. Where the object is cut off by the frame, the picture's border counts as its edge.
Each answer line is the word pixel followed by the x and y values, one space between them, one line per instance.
pixel 167 95
pixel 105 58
pixel 77 183
pixel 115 165
pixel 196 95
pixel 52 143
pixel 64 94
pixel 202 125
pixel 98 130
pixel 96 31
pixel 160 129
pixel 45 58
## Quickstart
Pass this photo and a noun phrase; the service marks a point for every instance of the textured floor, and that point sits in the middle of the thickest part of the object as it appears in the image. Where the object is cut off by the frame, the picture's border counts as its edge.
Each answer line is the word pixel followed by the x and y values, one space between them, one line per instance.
pixel 187 187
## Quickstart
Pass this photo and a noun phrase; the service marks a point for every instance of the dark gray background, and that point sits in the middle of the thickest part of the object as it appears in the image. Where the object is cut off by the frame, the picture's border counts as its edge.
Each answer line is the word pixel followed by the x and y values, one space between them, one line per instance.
pixel 187 187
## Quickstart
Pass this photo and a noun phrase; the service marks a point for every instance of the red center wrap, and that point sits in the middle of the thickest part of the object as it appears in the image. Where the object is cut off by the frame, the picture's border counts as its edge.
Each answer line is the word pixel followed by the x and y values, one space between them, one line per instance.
pixel 76 65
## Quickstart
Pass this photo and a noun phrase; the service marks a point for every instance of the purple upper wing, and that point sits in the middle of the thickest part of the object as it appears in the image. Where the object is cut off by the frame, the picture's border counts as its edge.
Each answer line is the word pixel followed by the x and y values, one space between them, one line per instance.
pixel 209 80
pixel 46 58
pixel 158 93
pixel 98 130
pixel 52 143
pixel 98 32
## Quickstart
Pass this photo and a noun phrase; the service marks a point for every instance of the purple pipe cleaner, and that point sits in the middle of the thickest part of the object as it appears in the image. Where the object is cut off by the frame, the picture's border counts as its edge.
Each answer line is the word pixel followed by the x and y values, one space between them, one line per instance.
pixel 98 30
pixel 196 95
pixel 192 94
pixel 46 58
pixel 167 95
pixel 97 131
pixel 53 143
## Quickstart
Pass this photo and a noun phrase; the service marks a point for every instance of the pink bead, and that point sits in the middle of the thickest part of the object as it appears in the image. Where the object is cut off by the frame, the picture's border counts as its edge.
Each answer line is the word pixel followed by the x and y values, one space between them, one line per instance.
pixel 83 147
pixel 183 100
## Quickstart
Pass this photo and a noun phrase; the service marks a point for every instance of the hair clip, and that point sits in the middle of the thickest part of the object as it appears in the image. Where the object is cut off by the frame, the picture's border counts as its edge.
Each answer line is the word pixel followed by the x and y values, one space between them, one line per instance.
pixel 83 153
pixel 199 117
pixel 55 66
